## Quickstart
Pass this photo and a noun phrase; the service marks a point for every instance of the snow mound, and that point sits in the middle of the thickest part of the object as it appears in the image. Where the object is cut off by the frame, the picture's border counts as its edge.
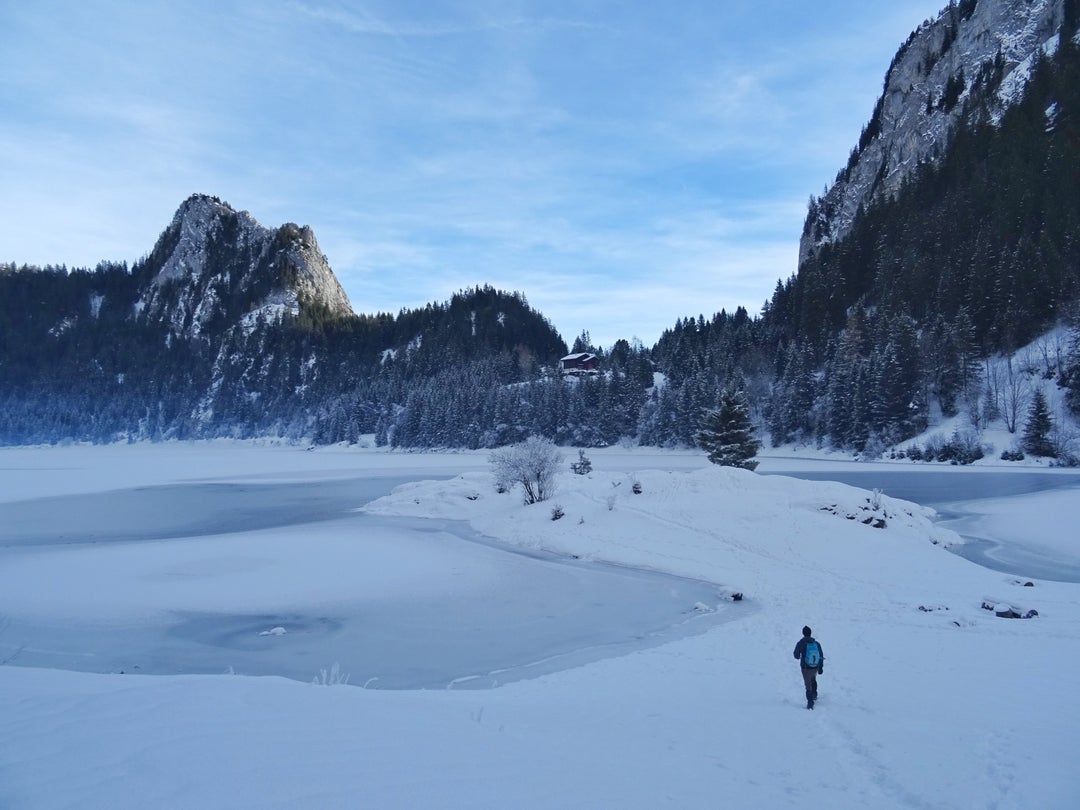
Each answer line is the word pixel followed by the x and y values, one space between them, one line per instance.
pixel 719 524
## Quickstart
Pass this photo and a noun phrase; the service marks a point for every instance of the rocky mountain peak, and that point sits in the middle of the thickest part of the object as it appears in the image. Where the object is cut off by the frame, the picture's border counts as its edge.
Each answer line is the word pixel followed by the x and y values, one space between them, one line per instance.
pixel 215 266
pixel 965 67
pixel 197 222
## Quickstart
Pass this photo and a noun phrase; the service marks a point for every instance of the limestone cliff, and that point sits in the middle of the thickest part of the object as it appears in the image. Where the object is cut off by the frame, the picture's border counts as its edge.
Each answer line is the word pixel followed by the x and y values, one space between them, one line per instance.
pixel 214 267
pixel 966 66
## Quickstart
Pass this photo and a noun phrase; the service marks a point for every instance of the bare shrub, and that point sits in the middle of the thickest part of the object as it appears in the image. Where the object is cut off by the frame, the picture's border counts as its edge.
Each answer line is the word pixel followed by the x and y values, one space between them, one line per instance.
pixel 1014 395
pixel 531 463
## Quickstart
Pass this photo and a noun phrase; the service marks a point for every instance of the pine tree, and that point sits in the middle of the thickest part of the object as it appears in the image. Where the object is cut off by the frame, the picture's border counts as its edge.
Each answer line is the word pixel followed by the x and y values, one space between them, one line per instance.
pixel 583 343
pixel 1036 439
pixel 895 403
pixel 791 407
pixel 727 433
pixel 1071 379
pixel 779 428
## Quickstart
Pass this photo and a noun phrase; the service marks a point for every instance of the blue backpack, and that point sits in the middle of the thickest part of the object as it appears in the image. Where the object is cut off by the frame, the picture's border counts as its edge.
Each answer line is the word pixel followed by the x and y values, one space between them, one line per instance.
pixel 812 655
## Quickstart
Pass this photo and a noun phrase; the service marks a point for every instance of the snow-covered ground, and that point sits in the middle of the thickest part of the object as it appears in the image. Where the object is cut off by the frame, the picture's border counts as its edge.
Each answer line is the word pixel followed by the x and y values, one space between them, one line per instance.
pixel 927 700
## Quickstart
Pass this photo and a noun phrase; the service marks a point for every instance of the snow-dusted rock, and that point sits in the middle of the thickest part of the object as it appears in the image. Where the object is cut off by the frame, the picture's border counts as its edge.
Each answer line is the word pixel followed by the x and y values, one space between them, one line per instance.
pixel 217 264
pixel 914 122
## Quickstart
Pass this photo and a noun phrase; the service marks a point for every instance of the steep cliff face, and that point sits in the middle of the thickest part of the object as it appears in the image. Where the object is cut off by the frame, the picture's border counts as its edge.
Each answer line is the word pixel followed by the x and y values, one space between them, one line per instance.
pixel 214 266
pixel 967 66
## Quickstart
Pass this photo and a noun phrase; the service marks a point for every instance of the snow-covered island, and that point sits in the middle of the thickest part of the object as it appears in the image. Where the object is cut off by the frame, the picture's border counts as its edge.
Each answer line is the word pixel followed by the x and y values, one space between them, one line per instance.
pixel 928 698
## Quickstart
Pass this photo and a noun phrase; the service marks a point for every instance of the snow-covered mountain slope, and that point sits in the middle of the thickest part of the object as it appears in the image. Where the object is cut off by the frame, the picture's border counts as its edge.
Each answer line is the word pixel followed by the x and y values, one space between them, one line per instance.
pixel 214 266
pixel 967 66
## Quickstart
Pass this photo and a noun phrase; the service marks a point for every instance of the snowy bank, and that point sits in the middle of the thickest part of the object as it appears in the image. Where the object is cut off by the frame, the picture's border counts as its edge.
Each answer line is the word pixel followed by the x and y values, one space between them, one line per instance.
pixel 729 526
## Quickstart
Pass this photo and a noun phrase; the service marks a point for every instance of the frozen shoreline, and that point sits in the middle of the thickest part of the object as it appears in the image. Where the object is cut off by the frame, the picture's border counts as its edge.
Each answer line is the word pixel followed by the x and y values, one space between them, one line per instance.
pixel 285 579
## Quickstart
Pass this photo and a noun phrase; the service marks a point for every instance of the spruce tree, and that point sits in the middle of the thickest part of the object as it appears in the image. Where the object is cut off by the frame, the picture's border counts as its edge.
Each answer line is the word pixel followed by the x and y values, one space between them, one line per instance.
pixel 1071 379
pixel 1036 439
pixel 727 433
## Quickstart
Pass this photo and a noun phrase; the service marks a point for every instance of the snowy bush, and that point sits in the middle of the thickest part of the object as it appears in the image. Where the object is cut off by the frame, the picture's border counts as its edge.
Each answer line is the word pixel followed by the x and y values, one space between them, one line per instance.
pixel 583 466
pixel 962 448
pixel 1065 439
pixel 557 512
pixel 532 463
pixel 331 677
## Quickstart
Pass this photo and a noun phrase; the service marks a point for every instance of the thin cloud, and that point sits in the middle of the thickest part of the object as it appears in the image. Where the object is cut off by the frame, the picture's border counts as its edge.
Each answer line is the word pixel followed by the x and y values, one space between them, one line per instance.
pixel 622 167
pixel 360 21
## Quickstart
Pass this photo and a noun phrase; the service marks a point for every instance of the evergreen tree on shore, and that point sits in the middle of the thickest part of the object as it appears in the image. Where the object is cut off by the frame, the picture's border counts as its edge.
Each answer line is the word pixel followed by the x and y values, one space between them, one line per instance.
pixel 727 433
pixel 1036 439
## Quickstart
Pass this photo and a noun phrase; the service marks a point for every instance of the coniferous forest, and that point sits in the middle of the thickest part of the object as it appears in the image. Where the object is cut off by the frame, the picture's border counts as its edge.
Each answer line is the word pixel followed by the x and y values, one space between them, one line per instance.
pixel 977 254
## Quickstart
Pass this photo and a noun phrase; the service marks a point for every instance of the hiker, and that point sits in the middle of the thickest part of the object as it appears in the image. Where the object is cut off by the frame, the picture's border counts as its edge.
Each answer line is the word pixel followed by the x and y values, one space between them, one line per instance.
pixel 812 661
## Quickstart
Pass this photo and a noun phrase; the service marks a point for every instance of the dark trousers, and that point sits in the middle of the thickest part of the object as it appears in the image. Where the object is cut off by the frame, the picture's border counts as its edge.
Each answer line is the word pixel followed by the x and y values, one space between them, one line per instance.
pixel 809 677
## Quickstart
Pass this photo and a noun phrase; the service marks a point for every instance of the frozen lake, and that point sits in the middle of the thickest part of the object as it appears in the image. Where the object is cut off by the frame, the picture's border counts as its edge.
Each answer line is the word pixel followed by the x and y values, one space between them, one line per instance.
pixel 288 579
pixel 983 508
pixel 264 572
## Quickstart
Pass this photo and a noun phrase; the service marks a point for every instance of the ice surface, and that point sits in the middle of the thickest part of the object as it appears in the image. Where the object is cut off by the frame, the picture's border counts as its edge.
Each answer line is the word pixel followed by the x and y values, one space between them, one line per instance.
pixel 187 578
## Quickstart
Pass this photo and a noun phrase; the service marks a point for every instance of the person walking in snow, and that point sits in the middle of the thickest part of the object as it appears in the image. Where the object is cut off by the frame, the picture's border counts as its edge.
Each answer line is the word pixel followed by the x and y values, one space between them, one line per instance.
pixel 812 662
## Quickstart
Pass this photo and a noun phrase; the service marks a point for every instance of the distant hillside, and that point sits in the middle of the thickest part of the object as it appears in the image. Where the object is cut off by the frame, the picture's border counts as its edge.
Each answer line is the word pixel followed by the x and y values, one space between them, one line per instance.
pixel 228 328
pixel 973 248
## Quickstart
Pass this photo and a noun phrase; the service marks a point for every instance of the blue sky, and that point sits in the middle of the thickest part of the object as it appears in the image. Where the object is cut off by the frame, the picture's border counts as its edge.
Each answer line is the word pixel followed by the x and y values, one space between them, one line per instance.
pixel 623 164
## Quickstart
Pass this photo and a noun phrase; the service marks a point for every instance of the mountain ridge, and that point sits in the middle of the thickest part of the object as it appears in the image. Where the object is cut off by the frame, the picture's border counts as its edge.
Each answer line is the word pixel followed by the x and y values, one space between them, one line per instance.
pixel 975 47
pixel 228 328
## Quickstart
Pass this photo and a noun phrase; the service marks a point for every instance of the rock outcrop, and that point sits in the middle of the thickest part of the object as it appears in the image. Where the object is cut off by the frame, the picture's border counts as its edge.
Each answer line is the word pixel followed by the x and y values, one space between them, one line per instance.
pixel 214 267
pixel 965 67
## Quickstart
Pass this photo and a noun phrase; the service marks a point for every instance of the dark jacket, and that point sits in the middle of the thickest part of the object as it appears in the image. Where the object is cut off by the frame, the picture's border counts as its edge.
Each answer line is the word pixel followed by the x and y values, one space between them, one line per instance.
pixel 800 650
